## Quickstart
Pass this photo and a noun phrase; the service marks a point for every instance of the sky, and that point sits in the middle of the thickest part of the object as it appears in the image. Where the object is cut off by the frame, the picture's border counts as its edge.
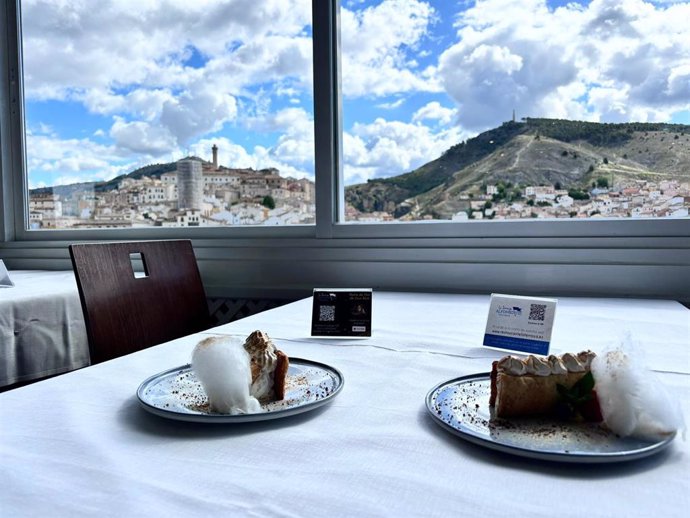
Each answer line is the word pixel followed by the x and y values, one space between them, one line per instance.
pixel 136 82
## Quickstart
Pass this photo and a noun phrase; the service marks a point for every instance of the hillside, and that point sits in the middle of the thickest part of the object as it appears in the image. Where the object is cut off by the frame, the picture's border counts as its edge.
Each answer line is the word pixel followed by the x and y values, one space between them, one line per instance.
pixel 566 154
pixel 153 171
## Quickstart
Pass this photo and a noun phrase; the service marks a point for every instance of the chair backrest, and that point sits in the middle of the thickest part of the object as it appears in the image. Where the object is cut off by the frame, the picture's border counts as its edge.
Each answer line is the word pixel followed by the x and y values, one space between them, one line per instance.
pixel 126 312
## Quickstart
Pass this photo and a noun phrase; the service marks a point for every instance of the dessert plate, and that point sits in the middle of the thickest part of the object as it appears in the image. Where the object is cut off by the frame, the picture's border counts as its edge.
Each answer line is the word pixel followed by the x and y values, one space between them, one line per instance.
pixel 177 394
pixel 461 406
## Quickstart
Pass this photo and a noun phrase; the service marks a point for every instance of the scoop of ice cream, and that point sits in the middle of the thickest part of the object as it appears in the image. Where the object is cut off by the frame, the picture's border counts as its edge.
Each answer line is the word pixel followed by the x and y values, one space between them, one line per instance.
pixel 222 366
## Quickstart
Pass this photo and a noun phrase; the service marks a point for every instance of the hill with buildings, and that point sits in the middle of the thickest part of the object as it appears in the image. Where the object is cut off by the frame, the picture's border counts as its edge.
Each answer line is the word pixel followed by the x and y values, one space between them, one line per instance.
pixel 188 192
pixel 153 171
pixel 503 164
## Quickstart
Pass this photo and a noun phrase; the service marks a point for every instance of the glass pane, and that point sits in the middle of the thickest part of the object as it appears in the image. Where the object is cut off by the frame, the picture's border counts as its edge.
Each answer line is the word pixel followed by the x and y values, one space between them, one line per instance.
pixel 495 109
pixel 168 113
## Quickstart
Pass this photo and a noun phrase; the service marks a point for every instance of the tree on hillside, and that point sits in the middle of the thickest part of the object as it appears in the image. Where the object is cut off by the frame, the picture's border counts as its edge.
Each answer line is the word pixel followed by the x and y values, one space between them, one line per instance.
pixel 269 202
pixel 577 194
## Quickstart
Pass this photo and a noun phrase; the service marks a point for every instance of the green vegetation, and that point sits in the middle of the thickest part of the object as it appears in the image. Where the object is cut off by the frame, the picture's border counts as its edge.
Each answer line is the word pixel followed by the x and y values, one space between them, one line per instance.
pixel 507 192
pixel 269 202
pixel 578 194
pixel 596 133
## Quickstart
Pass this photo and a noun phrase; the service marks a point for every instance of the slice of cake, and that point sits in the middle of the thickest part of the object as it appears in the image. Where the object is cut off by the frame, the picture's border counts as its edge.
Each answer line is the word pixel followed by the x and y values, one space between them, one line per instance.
pixel 269 367
pixel 530 386
pixel 614 388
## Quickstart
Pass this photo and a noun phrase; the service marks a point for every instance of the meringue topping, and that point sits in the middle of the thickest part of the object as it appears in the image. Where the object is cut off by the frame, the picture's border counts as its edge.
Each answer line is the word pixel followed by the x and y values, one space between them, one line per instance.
pixel 545 366
pixel 556 365
pixel 538 366
pixel 512 365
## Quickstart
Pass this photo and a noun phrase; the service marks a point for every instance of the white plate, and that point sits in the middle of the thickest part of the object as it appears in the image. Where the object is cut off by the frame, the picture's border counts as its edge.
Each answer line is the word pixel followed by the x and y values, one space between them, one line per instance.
pixel 461 406
pixel 177 394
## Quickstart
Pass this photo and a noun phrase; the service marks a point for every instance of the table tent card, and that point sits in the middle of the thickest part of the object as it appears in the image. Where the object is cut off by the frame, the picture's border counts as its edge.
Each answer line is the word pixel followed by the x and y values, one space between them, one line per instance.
pixel 521 324
pixel 5 281
pixel 341 312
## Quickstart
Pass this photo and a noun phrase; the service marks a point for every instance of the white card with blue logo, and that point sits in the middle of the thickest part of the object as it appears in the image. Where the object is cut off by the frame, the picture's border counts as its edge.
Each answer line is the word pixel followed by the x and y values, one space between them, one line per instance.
pixel 520 324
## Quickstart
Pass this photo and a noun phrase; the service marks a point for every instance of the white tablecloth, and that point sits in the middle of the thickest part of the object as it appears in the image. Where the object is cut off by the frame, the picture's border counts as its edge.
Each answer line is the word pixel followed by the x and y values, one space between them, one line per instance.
pixel 80 444
pixel 41 326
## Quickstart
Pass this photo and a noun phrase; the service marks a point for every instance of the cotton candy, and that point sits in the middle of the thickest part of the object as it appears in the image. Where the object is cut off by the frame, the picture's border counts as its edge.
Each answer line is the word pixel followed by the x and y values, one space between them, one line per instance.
pixel 223 367
pixel 633 401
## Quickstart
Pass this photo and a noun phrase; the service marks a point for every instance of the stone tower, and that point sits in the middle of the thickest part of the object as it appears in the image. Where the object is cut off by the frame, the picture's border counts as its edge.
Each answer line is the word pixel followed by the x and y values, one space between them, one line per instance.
pixel 214 149
pixel 190 184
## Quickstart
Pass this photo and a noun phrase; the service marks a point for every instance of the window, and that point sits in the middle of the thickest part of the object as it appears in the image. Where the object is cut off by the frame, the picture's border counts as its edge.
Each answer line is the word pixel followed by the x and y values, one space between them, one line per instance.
pixel 377 111
pixel 495 110
pixel 168 114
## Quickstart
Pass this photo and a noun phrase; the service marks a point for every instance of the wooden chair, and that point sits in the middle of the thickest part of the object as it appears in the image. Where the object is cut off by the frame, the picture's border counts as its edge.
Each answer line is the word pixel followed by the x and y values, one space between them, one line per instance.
pixel 127 311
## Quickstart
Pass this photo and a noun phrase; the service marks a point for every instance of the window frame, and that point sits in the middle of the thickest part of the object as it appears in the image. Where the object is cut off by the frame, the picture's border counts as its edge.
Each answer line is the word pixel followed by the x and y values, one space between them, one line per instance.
pixel 588 243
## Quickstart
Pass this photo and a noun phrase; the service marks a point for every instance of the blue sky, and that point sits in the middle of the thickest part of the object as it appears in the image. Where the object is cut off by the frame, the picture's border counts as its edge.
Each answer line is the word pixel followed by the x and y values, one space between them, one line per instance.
pixel 132 83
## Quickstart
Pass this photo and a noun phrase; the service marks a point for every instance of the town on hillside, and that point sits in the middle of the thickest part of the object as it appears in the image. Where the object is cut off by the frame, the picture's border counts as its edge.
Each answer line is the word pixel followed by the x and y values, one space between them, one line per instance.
pixel 198 193
pixel 627 199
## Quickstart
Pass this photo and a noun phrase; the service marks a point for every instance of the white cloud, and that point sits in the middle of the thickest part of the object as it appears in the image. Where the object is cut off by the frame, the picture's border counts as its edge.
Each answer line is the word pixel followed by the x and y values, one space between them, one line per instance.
pixel 141 137
pixel 76 46
pixel 678 82
pixel 229 153
pixel 139 102
pixel 190 115
pixel 295 143
pixel 384 148
pixel 391 105
pixel 435 112
pixel 262 61
pixel 609 60
pixel 374 43
pixel 59 161
pixel 130 59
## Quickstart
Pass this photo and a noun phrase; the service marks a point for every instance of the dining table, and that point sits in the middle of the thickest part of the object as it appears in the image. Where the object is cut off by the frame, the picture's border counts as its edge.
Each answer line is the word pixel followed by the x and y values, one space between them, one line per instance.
pixel 89 443
pixel 42 330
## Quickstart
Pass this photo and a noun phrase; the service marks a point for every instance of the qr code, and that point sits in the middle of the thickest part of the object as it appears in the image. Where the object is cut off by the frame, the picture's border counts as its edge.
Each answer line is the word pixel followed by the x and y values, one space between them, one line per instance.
pixel 326 313
pixel 537 311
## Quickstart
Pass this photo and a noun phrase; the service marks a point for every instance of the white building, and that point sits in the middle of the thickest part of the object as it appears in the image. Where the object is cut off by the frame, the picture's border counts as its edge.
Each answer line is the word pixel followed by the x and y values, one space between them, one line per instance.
pixel 565 201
